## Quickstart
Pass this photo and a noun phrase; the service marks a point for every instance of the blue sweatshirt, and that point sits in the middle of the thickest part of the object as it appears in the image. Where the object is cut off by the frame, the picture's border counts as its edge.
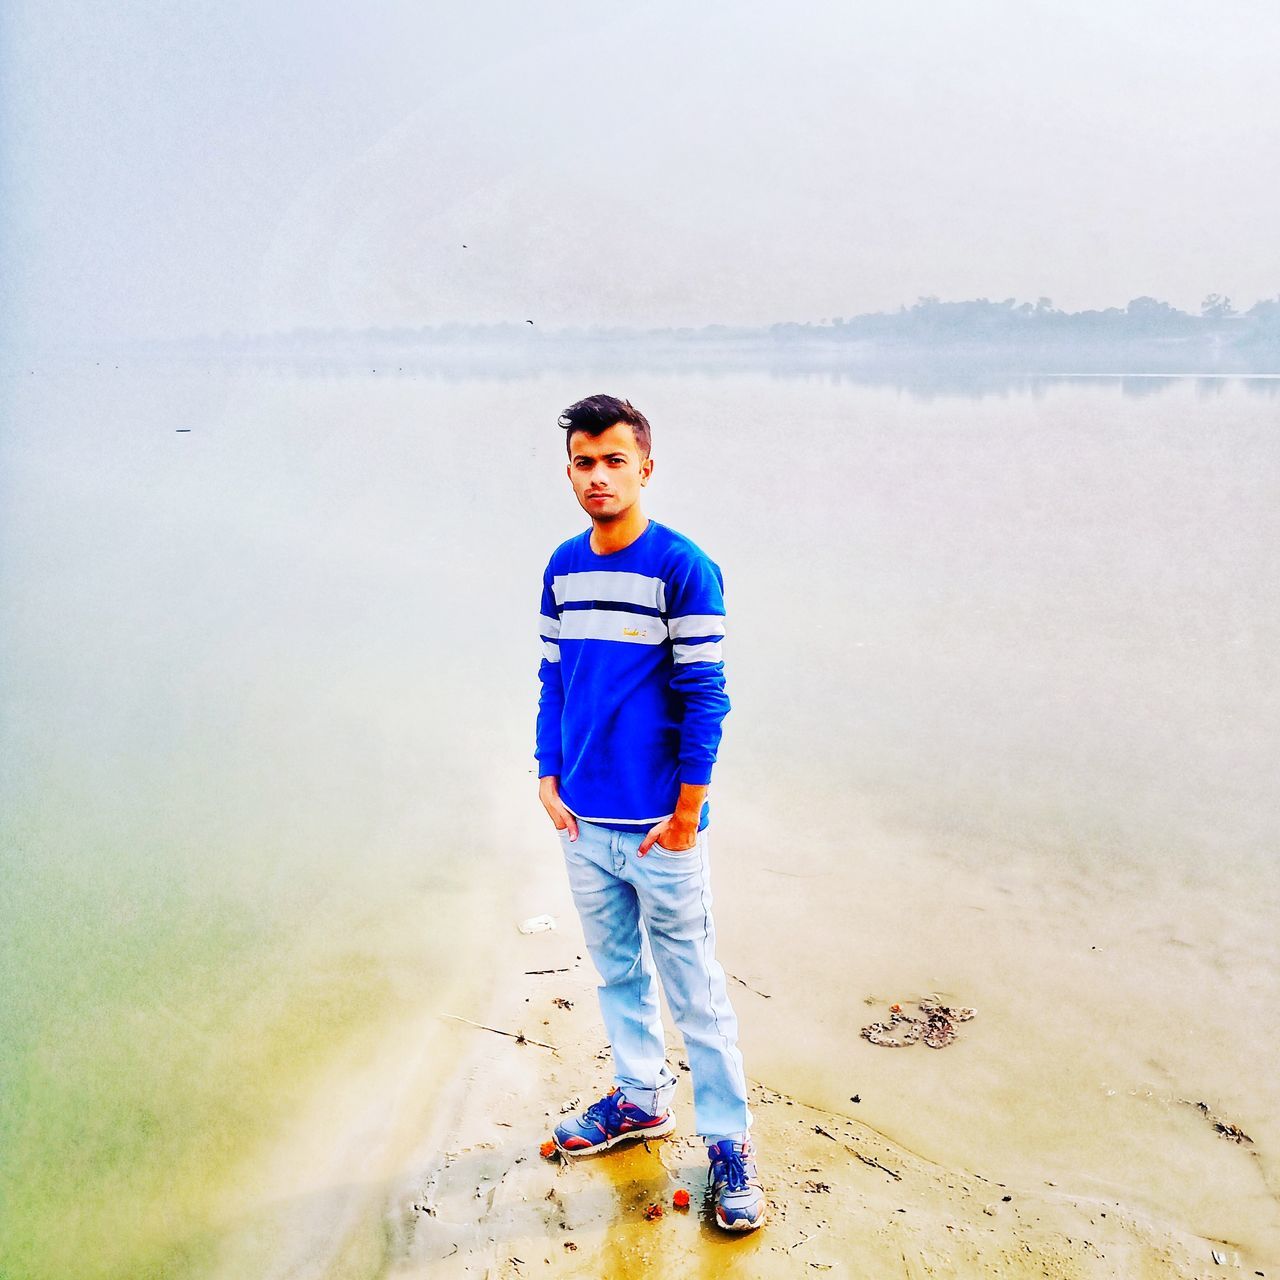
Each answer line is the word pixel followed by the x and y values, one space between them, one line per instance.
pixel 632 676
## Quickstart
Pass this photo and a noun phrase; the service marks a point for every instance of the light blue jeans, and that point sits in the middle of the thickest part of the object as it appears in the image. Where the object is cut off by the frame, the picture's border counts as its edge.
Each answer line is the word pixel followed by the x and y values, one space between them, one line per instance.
pixel 651 917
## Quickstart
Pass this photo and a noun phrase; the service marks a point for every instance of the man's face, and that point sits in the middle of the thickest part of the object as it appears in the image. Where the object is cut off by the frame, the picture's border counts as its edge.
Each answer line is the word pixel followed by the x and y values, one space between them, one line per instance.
pixel 607 471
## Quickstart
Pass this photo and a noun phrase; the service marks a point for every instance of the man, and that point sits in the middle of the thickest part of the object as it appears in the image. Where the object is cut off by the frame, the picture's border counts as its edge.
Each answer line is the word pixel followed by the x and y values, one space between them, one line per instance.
pixel 629 720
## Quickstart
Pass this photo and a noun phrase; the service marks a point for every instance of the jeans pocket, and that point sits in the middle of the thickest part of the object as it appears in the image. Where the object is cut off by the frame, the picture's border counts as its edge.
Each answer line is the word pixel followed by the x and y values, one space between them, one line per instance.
pixel 677 854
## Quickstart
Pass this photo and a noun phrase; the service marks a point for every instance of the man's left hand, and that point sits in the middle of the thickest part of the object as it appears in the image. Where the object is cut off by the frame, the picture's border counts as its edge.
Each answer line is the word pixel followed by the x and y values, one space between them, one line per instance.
pixel 674 834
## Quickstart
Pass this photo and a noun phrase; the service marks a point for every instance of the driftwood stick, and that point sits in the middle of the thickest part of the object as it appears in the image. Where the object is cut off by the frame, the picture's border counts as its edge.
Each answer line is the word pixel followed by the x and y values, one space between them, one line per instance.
pixel 875 1164
pixel 515 1035
pixel 803 1240
pixel 749 987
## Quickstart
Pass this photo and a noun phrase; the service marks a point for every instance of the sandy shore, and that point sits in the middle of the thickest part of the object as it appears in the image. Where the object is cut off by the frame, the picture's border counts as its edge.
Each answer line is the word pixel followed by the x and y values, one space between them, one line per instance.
pixel 420 1156
pixel 477 1199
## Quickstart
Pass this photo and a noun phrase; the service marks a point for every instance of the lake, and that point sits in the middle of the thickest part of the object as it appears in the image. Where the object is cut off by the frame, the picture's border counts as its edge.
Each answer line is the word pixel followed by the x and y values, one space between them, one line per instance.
pixel 1005 728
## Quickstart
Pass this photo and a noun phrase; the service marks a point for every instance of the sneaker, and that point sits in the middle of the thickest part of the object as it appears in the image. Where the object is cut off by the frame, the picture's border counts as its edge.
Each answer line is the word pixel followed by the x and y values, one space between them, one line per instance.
pixel 609 1121
pixel 735 1185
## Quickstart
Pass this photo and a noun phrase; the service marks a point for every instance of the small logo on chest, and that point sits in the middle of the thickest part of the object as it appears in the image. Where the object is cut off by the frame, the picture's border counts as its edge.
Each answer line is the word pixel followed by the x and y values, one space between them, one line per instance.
pixel 634 631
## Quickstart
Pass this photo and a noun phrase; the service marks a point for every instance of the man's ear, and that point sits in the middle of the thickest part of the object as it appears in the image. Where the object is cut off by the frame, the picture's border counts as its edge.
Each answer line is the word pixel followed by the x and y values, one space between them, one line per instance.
pixel 646 470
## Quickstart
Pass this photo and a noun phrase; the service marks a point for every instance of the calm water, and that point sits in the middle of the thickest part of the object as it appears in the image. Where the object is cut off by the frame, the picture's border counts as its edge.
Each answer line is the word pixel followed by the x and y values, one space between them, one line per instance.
pixel 1006 719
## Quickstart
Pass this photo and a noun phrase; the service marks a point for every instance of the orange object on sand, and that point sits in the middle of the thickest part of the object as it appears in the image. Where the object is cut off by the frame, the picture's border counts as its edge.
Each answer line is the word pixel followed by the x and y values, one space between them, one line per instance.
pixel 547 1150
pixel 895 1008
pixel 680 1199
pixel 653 1211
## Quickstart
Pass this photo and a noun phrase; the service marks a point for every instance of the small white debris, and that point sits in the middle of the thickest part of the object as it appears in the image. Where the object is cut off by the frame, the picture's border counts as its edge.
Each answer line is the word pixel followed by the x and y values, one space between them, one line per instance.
pixel 537 924
pixel 1219 1257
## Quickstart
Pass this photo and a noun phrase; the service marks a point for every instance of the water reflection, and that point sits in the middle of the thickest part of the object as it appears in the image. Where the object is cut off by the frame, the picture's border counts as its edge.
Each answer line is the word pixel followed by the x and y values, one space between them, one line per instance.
pixel 268 695
pixel 969 373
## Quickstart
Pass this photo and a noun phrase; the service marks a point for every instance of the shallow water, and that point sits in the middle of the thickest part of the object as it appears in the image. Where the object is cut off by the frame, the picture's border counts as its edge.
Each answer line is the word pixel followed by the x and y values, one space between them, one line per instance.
pixel 1005 722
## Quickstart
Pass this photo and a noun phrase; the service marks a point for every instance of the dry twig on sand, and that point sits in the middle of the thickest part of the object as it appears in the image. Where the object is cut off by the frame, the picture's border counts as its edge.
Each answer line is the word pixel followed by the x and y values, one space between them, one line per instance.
pixel 518 1036
pixel 875 1164
pixel 749 987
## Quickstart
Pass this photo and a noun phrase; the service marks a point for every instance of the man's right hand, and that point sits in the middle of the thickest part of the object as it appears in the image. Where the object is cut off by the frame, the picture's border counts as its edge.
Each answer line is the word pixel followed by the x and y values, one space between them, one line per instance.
pixel 549 794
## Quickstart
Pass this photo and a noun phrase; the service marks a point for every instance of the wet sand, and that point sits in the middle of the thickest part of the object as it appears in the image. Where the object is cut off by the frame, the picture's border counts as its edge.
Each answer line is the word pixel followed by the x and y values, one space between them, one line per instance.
pixel 478 1199
pixel 427 1164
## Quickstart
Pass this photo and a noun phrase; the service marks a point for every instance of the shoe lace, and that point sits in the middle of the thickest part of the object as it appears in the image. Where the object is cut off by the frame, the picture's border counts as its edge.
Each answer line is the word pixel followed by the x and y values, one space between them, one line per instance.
pixel 731 1168
pixel 605 1112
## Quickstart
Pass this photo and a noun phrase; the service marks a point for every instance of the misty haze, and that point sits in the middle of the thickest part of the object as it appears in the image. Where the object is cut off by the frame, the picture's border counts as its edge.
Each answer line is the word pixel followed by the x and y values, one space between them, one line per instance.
pixel 959 332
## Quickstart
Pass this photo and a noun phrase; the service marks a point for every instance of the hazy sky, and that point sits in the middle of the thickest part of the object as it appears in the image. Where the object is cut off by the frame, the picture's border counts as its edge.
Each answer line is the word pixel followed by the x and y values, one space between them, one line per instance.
pixel 182 168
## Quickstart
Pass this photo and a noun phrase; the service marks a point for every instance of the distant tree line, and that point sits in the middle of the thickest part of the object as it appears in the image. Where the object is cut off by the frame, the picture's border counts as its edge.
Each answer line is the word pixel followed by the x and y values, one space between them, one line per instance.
pixel 928 323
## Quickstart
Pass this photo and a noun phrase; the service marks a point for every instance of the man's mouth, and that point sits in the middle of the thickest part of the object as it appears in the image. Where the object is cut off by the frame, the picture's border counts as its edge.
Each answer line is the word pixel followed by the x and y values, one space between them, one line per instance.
pixel 596 497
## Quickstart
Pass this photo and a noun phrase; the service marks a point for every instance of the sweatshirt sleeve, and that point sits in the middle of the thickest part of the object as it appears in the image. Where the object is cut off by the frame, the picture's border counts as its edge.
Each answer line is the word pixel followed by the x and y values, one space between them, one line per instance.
pixel 696 625
pixel 551 698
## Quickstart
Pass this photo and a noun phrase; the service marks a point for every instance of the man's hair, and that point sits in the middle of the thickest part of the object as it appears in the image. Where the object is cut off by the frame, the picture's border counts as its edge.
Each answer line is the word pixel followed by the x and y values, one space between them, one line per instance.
pixel 596 414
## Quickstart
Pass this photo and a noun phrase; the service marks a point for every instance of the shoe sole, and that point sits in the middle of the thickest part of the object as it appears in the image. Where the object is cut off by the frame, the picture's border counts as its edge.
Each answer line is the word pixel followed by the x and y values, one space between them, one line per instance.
pixel 741 1225
pixel 631 1135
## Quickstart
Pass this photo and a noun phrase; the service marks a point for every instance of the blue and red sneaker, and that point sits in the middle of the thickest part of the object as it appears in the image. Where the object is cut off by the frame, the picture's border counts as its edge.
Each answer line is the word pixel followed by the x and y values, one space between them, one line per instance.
pixel 611 1120
pixel 735 1185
